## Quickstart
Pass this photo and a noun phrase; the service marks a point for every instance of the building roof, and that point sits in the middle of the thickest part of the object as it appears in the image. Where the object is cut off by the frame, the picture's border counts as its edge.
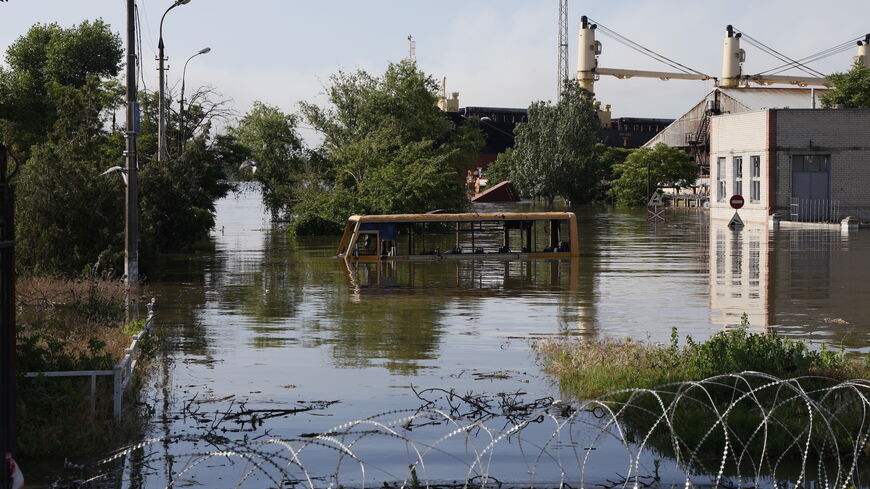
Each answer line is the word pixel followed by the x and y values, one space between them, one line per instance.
pixel 757 98
pixel 734 101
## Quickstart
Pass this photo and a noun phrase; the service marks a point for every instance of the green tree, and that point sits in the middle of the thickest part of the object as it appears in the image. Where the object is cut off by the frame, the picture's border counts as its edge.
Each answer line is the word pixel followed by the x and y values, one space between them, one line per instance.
pixel 647 169
pixel 500 170
pixel 269 136
pixel 851 89
pixel 45 58
pixel 387 148
pixel 56 112
pixel 555 151
pixel 178 194
pixel 67 215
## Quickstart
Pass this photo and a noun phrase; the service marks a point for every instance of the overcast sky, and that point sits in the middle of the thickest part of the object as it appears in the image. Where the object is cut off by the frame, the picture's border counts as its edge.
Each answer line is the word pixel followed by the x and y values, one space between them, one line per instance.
pixel 494 52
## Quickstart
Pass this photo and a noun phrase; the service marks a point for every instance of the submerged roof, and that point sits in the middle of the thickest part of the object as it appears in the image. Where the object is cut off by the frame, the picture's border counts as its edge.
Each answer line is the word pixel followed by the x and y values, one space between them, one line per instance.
pixel 458 217
pixel 758 98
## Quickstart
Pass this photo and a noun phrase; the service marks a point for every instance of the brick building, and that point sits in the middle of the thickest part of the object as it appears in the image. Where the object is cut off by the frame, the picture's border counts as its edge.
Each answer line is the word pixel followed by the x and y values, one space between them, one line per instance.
pixel 803 164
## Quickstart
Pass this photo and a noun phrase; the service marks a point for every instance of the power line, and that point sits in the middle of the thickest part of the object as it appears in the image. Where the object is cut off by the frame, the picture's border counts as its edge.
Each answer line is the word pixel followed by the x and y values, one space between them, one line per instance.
pixel 139 48
pixel 839 48
pixel 646 51
pixel 776 54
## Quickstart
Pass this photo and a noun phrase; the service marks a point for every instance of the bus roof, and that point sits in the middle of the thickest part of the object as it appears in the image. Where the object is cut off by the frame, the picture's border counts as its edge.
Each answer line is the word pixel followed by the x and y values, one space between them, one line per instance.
pixel 464 217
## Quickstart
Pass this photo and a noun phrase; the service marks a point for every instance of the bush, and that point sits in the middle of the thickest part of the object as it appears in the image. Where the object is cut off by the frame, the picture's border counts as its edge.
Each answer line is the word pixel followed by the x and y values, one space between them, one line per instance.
pixel 592 368
pixel 69 325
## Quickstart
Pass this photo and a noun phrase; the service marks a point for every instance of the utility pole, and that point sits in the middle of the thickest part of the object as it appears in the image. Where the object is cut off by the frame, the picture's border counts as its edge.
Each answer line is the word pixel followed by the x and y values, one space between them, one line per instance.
pixel 161 104
pixel 562 68
pixel 131 207
pixel 7 323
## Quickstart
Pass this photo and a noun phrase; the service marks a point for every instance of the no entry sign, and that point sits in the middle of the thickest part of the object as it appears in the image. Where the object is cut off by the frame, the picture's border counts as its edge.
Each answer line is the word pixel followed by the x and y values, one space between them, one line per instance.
pixel 736 201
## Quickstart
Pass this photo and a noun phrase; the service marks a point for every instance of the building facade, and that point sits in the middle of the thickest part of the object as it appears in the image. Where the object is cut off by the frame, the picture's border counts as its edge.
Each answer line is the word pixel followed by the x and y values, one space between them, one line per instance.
pixel 809 165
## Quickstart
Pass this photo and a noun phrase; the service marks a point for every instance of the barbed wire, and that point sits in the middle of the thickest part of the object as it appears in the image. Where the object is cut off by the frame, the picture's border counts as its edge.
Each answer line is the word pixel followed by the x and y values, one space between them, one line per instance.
pixel 747 430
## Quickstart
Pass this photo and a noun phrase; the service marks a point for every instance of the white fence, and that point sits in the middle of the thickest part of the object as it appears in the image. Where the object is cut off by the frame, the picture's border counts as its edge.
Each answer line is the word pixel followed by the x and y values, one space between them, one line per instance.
pixel 814 210
pixel 122 373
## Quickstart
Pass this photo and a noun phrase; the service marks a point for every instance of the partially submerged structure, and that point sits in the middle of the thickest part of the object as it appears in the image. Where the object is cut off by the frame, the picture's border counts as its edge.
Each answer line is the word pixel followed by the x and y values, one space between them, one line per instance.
pixel 502 236
pixel 800 164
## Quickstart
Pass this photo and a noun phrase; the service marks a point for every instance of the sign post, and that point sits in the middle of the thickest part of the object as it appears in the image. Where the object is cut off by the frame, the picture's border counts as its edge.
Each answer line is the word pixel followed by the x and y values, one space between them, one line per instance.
pixel 736 202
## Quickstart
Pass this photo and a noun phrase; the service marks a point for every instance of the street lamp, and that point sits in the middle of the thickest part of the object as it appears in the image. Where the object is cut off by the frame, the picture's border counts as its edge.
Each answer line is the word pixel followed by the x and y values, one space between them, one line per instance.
pixel 181 101
pixel 161 109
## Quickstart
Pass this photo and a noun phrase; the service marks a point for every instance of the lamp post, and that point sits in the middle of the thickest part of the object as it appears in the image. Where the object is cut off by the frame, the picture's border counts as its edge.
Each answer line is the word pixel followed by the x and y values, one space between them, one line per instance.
pixel 161 108
pixel 181 101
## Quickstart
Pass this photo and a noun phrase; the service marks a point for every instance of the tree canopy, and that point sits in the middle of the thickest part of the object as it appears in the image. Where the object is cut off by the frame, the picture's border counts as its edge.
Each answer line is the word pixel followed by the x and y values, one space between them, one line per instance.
pixel 57 112
pixel 42 61
pixel 851 89
pixel 269 135
pixel 647 169
pixel 387 148
pixel 555 151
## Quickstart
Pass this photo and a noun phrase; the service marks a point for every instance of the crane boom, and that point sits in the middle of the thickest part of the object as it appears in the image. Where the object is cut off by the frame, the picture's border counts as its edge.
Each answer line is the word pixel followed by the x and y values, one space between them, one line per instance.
pixel 661 75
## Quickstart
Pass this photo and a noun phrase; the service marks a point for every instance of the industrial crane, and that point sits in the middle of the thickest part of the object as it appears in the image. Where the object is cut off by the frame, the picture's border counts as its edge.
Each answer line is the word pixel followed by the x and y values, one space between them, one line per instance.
pixel 733 57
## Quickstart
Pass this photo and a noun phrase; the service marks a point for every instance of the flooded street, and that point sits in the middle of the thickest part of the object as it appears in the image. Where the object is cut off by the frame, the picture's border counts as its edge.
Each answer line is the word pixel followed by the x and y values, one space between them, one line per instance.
pixel 277 328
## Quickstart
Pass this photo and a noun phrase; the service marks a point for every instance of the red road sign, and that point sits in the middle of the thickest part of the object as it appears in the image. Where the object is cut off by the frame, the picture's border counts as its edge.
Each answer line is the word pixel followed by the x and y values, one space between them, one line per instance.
pixel 736 201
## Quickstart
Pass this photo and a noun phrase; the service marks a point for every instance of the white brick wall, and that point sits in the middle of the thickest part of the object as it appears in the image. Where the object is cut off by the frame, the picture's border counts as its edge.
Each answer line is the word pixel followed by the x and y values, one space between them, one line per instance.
pixel 844 134
pixel 739 135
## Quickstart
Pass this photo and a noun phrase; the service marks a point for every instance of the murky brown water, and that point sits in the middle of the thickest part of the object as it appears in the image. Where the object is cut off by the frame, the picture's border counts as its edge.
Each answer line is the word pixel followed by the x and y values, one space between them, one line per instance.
pixel 276 322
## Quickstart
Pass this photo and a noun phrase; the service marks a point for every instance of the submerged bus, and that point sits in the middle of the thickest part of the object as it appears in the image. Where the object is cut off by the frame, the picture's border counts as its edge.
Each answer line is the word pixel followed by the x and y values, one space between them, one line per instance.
pixel 498 235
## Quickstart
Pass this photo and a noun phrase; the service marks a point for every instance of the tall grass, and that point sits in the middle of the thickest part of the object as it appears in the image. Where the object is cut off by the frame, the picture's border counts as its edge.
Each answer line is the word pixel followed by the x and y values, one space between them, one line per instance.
pixel 68 325
pixel 593 368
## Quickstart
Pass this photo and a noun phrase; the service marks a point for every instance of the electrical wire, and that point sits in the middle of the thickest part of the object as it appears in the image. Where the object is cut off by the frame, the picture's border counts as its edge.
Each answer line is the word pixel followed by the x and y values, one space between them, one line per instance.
pixel 839 48
pixel 776 54
pixel 646 51
pixel 139 48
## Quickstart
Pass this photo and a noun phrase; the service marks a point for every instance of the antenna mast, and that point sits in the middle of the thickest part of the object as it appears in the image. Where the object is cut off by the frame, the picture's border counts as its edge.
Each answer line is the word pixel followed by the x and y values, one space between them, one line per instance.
pixel 412 49
pixel 562 69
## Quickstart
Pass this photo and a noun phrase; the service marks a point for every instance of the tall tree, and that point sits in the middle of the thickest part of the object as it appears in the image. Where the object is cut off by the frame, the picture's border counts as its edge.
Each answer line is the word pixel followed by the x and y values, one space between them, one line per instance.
pixel 387 148
pixel 851 89
pixel 555 151
pixel 647 169
pixel 269 135
pixel 45 58
pixel 68 215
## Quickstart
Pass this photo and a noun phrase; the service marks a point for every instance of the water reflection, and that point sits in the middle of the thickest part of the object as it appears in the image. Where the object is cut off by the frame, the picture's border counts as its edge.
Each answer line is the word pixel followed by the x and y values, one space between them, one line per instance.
pixel 267 320
pixel 807 283
pixel 739 274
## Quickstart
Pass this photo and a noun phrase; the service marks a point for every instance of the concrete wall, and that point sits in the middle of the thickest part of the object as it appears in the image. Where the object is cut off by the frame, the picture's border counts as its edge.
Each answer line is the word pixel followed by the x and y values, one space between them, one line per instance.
pixel 775 136
pixel 844 134
pixel 739 135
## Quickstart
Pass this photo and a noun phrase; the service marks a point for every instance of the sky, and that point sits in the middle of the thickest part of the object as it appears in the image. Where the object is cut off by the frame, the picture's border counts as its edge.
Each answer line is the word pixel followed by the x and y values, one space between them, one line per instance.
pixel 498 53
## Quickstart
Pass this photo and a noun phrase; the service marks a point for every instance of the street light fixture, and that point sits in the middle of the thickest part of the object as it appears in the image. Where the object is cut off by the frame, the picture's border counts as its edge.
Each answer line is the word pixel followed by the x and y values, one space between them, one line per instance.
pixel 161 108
pixel 181 101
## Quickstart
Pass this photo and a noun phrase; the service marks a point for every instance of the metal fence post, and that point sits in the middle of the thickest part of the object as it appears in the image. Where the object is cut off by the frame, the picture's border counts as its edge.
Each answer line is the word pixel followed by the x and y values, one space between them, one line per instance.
pixel 118 392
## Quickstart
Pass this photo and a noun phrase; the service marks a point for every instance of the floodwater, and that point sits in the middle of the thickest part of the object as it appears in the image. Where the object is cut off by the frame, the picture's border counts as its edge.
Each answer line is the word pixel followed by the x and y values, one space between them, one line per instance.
pixel 277 329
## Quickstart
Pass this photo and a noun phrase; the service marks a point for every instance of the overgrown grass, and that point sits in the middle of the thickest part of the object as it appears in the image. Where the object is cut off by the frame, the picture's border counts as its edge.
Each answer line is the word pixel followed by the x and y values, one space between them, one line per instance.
pixel 69 325
pixel 772 422
pixel 593 368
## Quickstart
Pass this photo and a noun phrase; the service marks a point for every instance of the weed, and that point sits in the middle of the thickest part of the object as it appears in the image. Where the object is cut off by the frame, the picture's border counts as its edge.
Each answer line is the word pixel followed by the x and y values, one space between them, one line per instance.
pixel 67 325
pixel 592 368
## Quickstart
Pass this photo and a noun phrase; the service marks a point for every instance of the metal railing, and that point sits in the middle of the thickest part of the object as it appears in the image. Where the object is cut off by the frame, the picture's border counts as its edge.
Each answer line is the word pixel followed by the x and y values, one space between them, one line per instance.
pixel 122 373
pixel 814 210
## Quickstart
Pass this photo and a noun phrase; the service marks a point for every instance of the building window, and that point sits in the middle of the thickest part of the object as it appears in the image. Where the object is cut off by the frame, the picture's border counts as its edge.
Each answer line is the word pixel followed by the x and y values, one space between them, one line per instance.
pixel 755 179
pixel 738 175
pixel 720 179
